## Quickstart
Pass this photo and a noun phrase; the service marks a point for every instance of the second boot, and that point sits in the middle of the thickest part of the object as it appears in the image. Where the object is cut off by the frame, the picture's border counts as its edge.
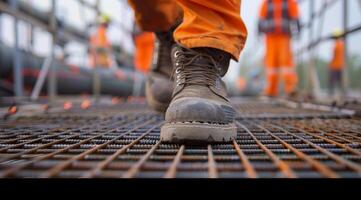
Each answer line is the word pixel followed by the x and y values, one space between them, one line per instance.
pixel 159 85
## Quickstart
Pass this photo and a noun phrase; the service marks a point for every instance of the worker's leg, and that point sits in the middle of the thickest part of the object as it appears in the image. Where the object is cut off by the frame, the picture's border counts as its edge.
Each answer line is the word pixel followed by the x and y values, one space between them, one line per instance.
pixel 161 17
pixel 332 82
pixel 212 23
pixel 211 34
pixel 290 79
pixel 271 89
pixel 339 77
pixel 272 63
pixel 288 68
pixel 156 15
pixel 104 60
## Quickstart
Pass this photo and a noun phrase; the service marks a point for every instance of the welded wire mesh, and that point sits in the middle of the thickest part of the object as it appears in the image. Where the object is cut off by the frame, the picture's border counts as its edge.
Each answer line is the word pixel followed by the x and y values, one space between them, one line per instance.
pixel 122 141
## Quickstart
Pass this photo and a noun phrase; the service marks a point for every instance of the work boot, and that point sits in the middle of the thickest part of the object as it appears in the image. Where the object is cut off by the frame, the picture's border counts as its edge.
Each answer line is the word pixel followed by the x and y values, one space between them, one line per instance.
pixel 200 111
pixel 159 86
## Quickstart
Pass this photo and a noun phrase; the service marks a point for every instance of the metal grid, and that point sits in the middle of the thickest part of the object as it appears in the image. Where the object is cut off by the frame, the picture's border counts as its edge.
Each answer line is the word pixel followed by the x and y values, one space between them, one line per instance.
pixel 125 143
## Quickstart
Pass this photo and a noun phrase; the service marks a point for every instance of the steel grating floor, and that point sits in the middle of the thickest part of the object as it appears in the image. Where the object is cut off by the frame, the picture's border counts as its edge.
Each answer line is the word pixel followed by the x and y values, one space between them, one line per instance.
pixel 275 140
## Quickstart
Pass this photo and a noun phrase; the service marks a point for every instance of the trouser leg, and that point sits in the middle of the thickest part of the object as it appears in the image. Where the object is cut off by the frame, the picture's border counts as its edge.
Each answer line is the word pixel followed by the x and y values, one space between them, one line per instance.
pixel 212 23
pixel 271 82
pixel 156 15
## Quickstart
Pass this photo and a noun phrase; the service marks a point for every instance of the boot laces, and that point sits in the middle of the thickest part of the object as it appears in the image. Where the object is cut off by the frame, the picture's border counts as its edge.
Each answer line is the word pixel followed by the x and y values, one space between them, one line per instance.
pixel 189 71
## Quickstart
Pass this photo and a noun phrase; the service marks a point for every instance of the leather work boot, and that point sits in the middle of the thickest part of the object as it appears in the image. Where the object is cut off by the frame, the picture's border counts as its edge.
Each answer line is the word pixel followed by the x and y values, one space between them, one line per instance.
pixel 159 86
pixel 200 111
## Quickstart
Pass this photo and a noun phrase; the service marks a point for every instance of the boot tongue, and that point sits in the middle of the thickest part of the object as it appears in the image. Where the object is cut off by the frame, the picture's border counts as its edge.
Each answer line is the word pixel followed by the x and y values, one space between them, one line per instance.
pixel 222 59
pixel 196 68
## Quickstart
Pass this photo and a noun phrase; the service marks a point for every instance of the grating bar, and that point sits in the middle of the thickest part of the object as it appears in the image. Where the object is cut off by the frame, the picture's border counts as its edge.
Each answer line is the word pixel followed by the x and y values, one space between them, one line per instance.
pixel 172 171
pixel 245 161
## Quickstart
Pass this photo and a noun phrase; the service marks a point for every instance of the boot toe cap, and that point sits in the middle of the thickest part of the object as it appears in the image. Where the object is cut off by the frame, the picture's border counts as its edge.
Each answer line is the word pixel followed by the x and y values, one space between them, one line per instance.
pixel 199 110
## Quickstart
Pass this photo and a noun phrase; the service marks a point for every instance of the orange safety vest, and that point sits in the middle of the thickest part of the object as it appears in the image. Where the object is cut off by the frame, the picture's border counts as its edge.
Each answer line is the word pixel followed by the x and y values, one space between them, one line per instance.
pixel 338 61
pixel 99 46
pixel 279 16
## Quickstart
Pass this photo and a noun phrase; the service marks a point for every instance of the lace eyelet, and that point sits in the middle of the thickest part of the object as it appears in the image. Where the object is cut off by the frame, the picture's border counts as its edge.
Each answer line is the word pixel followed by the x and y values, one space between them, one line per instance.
pixel 177 71
pixel 176 54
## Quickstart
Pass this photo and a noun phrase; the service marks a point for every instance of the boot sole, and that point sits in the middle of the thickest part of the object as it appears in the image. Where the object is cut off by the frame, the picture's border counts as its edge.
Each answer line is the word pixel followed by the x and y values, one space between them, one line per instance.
pixel 153 103
pixel 196 133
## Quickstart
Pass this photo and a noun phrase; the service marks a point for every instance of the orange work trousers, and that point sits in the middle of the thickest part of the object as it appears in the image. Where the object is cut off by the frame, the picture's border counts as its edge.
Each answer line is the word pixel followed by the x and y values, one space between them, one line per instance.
pixel 144 47
pixel 204 23
pixel 287 75
pixel 279 64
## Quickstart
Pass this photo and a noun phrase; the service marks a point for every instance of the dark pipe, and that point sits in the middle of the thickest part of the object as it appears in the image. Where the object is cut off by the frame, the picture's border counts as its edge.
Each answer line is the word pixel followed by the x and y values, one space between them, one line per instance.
pixel 71 79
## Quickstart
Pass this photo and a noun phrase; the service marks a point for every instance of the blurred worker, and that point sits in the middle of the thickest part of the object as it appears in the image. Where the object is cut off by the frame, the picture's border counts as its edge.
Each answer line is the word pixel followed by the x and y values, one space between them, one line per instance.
pixel 100 49
pixel 338 62
pixel 200 37
pixel 144 49
pixel 279 21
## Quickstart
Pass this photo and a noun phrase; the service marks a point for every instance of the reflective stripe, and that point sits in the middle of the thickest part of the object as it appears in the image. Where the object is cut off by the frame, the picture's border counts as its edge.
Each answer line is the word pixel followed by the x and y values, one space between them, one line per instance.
pixel 282 70
pixel 288 70
pixel 272 71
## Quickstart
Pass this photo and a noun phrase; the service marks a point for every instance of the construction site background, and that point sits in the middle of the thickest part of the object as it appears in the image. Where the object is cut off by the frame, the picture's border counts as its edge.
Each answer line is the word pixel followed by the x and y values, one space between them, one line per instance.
pixel 312 49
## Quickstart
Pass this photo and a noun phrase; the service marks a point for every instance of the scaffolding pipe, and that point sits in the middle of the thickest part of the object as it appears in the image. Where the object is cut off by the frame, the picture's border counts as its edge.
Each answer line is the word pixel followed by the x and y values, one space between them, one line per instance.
pixel 41 79
pixel 52 89
pixel 315 50
pixel 18 76
pixel 96 77
pixel 345 27
pixel 309 68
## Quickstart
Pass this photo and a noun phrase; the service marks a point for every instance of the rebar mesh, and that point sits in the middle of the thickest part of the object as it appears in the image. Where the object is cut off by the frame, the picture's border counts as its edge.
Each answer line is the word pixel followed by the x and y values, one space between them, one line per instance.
pixel 122 141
